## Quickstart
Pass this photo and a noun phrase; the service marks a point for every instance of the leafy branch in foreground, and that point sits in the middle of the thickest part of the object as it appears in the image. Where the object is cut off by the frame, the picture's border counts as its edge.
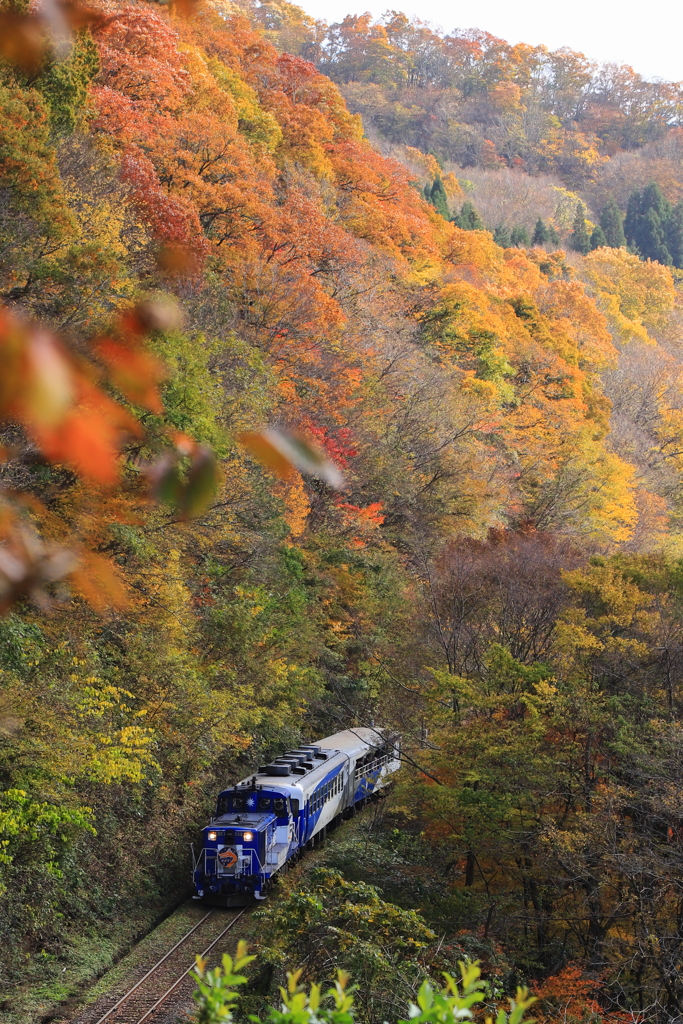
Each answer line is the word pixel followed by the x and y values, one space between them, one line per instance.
pixel 216 996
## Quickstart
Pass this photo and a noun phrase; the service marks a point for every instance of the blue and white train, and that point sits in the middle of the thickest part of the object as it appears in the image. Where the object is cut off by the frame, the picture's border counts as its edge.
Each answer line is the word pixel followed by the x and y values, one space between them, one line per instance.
pixel 266 821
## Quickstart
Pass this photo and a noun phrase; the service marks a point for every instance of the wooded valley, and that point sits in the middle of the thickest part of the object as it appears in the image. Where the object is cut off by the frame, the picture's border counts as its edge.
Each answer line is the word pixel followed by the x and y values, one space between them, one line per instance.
pixel 341 380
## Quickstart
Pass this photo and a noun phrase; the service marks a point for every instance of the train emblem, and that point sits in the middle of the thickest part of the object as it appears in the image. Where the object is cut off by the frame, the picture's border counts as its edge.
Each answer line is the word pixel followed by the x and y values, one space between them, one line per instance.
pixel 227 857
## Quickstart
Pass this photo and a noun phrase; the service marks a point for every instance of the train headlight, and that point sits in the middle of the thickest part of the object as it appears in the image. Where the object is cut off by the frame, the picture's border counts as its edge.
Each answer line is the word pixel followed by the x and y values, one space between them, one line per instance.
pixel 248 836
pixel 212 836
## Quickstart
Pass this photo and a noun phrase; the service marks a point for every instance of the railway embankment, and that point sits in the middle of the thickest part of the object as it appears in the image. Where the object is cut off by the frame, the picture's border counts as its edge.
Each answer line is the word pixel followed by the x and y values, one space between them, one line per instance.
pixel 158 956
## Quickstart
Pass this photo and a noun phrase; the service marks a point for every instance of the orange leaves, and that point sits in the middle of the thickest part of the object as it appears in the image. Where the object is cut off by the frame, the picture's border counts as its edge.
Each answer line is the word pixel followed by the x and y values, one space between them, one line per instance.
pixel 285 453
pixel 55 398
pixel 25 39
pixel 45 389
pixel 571 995
pixel 98 582
pixel 134 372
pixel 28 565
pixel 89 435
pixel 22 40
pixel 132 369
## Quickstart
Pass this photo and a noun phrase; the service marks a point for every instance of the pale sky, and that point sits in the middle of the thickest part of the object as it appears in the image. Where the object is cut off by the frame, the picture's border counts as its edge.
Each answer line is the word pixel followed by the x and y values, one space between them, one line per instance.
pixel 646 35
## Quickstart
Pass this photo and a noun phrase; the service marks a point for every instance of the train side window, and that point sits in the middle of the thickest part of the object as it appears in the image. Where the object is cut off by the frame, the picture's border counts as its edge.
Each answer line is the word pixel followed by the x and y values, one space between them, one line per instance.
pixel 294 804
pixel 264 803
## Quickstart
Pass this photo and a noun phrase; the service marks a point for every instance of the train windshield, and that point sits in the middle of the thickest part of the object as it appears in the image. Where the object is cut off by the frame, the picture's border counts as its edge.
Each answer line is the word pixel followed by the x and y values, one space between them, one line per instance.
pixel 249 801
pixel 245 801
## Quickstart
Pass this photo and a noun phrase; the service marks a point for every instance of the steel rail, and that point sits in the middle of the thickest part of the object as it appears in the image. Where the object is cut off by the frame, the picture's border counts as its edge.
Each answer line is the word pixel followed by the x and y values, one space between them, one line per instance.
pixel 157 965
pixel 175 984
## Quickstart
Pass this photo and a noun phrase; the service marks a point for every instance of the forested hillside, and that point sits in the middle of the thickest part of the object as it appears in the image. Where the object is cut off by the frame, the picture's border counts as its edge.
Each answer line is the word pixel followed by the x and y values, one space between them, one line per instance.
pixel 531 129
pixel 473 98
pixel 203 258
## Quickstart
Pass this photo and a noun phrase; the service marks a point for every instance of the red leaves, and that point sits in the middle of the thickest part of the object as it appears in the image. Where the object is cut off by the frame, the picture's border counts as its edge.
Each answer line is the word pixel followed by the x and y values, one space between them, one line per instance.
pixel 173 219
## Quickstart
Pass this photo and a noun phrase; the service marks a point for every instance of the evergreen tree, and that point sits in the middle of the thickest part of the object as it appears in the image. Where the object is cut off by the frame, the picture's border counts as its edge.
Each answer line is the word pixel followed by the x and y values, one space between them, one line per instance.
pixel 519 237
pixel 651 238
pixel 612 223
pixel 439 199
pixel 598 238
pixel 501 236
pixel 541 233
pixel 553 237
pixel 468 219
pixel 579 240
pixel 674 235
pixel 647 224
pixel 632 218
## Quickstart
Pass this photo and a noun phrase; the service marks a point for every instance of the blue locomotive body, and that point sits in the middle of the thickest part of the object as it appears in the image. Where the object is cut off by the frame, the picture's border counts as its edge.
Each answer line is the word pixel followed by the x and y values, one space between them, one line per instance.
pixel 265 822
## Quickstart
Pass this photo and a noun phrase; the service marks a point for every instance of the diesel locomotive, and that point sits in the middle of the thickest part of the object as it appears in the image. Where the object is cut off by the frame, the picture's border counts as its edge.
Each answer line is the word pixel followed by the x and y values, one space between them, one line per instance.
pixel 266 821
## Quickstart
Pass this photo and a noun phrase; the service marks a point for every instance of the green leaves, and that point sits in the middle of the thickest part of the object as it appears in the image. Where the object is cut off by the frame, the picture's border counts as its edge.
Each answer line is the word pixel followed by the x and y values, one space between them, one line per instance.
pixel 186 477
pixel 216 996
pixel 449 1004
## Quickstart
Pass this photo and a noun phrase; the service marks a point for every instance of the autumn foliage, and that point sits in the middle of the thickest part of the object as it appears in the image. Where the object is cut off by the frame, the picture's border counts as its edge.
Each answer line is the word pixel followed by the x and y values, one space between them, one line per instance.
pixel 282 445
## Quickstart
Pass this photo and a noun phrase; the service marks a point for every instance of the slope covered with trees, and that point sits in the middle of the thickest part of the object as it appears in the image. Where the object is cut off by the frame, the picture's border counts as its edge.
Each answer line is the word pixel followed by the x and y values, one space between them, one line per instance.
pixel 167 163
pixel 502 113
pixel 477 100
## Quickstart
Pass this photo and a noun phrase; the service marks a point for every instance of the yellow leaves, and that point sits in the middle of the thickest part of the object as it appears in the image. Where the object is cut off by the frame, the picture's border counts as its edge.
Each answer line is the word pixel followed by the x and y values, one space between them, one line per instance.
pixel 619 599
pixel 634 294
pixel 297 505
pixel 573 314
pixel 473 248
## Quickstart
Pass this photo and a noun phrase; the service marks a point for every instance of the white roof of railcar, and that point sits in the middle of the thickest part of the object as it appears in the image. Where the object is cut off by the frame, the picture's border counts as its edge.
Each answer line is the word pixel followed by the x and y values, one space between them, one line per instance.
pixel 307 782
pixel 346 744
pixel 353 741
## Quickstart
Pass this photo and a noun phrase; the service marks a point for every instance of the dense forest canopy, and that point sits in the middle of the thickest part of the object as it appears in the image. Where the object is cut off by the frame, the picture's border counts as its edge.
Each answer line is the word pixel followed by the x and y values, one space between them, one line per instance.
pixel 203 253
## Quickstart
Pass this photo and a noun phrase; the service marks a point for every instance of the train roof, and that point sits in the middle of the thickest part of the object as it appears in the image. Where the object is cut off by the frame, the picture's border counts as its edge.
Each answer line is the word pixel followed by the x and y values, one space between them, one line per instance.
pixel 354 741
pixel 306 782
pixel 343 746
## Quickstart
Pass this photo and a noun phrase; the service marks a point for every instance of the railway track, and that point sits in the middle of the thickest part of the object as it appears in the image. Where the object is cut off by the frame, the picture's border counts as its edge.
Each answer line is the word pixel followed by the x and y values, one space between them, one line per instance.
pixel 167 981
